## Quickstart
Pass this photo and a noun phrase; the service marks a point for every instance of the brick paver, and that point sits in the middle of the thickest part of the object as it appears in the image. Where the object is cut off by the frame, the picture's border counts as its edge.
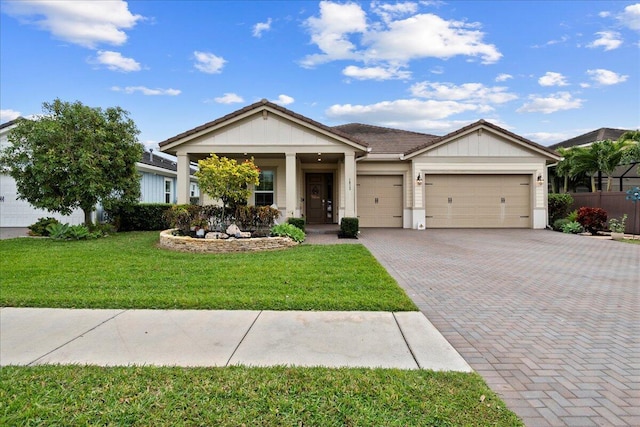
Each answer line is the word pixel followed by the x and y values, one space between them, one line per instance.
pixel 551 321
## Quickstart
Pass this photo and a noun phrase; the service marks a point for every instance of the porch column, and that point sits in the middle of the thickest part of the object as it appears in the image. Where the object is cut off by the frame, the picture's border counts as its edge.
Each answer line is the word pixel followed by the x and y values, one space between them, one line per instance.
pixel 290 185
pixel 182 179
pixel 349 185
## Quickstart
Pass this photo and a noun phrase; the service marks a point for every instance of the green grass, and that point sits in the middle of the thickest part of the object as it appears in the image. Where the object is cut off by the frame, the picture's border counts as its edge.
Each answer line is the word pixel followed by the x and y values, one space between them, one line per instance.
pixel 632 241
pixel 128 270
pixel 238 396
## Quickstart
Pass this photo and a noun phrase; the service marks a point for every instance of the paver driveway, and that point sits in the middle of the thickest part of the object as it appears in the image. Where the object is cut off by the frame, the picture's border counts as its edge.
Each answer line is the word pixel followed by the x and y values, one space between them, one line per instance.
pixel 550 320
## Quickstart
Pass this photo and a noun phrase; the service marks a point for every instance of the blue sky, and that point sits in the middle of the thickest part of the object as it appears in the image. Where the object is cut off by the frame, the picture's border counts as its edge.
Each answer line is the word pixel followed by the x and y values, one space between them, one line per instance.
pixel 546 70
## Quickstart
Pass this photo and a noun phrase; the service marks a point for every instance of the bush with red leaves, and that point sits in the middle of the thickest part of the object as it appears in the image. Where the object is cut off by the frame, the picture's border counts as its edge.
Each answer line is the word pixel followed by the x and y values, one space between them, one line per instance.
pixel 592 219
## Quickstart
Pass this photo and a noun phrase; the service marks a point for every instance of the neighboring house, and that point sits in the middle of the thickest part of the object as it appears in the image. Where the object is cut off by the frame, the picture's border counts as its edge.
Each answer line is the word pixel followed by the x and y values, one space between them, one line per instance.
pixel 478 176
pixel 625 177
pixel 158 179
pixel 157 185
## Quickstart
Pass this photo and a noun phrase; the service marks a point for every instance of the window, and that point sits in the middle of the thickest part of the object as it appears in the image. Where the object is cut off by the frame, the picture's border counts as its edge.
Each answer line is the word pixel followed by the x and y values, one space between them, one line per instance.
pixel 168 190
pixel 264 190
pixel 193 192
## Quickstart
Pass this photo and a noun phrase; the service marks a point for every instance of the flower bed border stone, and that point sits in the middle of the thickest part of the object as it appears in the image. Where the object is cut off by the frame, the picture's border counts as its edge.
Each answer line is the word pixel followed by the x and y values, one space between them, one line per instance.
pixel 218 246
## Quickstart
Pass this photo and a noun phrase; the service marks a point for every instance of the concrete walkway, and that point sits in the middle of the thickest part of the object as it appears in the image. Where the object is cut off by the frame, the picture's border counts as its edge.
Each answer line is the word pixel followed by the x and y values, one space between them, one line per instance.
pixel 405 340
pixel 550 320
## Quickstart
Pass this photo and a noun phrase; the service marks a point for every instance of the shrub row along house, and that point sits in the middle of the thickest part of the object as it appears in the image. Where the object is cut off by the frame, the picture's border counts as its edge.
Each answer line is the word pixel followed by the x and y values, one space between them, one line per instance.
pixel 157 185
pixel 478 176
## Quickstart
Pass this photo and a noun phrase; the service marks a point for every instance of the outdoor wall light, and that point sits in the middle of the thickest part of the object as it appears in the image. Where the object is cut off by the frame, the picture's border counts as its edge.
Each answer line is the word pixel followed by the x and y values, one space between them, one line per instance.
pixel 540 179
pixel 419 179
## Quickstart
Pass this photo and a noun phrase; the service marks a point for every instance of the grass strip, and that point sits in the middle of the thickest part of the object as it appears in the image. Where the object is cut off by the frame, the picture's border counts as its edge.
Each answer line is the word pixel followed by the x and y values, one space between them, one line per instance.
pixel 128 270
pixel 237 396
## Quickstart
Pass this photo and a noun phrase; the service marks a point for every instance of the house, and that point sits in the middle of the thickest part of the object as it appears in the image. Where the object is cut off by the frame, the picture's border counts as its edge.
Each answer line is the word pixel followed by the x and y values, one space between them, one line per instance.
pixel 157 185
pixel 478 176
pixel 624 177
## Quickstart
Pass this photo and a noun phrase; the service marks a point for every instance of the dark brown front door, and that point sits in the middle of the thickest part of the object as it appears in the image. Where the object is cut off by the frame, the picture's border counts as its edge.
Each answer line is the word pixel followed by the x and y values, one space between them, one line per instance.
pixel 319 198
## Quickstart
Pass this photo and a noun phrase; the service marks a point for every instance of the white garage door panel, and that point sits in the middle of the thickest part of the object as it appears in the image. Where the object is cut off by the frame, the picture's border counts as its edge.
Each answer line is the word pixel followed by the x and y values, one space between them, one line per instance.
pixel 478 201
pixel 380 201
pixel 19 213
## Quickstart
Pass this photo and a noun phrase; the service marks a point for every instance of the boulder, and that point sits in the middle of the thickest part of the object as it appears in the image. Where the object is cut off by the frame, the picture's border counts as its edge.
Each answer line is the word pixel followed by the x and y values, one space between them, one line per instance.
pixel 216 235
pixel 244 235
pixel 233 229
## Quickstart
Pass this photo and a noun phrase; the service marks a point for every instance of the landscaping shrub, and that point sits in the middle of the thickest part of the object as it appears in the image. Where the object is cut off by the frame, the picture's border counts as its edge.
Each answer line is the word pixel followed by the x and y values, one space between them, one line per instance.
pixel 182 217
pixel 288 230
pixel 60 231
pixel 592 219
pixel 39 228
pixel 558 224
pixel 252 218
pixel 349 227
pixel 559 205
pixel 572 227
pixel 138 217
pixel 573 215
pixel 297 222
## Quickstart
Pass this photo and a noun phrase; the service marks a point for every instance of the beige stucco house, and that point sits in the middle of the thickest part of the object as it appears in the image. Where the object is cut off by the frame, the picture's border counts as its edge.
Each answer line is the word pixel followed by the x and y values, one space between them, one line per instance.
pixel 479 176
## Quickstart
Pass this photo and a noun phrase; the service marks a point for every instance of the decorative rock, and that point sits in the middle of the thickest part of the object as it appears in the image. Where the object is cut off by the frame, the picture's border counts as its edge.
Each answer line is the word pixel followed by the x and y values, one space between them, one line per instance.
pixel 209 245
pixel 245 235
pixel 232 230
pixel 216 235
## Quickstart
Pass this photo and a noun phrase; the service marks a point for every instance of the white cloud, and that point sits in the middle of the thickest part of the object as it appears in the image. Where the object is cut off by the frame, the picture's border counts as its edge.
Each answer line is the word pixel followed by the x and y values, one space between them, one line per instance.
pixel 261 27
pixel 8 115
pixel 405 111
pixel 208 62
pixel 548 138
pixel 85 23
pixel 605 77
pixel 556 102
pixel 467 92
pixel 375 73
pixel 116 62
pixel 388 11
pixel 330 31
pixel 630 18
pixel 610 40
pixel 552 79
pixel 229 98
pixel 503 77
pixel 283 100
pixel 342 32
pixel 428 35
pixel 146 91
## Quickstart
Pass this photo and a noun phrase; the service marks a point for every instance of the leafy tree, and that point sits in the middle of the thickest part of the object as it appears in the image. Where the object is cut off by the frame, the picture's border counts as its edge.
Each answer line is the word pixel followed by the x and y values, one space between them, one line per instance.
pixel 565 166
pixel 74 156
pixel 226 179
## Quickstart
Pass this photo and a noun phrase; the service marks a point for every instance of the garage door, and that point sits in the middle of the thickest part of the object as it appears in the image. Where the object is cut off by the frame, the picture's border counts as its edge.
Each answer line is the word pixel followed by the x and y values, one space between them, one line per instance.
pixel 478 201
pixel 19 213
pixel 380 201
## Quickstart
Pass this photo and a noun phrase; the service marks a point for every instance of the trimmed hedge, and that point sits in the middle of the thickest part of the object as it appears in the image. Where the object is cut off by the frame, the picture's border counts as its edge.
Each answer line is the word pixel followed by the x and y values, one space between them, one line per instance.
pixel 349 227
pixel 138 217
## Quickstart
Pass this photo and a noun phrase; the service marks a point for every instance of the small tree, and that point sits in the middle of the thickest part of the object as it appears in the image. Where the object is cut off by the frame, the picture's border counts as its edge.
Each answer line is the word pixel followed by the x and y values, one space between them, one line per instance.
pixel 226 179
pixel 74 156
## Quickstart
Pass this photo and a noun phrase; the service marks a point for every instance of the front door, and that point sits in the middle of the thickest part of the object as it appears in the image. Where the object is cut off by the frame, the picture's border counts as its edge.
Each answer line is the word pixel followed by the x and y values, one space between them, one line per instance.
pixel 319 198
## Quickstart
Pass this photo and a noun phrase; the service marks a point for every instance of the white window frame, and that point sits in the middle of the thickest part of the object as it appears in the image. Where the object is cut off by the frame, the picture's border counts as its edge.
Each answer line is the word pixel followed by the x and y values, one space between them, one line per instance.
pixel 272 191
pixel 168 191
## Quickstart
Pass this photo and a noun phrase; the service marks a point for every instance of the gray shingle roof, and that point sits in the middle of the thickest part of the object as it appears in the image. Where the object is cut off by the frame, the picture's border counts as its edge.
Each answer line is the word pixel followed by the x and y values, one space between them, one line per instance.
pixel 589 137
pixel 384 140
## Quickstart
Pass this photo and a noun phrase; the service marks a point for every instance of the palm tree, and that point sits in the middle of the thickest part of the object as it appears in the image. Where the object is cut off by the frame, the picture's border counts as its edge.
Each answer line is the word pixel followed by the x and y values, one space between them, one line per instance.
pixel 565 166
pixel 600 156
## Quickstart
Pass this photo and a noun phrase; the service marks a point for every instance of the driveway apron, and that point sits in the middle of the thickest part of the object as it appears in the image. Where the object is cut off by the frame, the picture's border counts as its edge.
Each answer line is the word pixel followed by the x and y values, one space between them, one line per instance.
pixel 551 321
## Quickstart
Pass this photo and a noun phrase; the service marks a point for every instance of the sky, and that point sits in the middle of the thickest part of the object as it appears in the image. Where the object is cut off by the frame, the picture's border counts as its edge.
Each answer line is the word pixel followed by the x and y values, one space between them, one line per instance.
pixel 545 70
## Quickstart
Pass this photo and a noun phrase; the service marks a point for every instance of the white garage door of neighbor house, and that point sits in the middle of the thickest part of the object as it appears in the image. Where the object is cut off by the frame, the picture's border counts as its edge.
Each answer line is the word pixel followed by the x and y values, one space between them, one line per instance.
pixel 478 201
pixel 19 213
pixel 380 201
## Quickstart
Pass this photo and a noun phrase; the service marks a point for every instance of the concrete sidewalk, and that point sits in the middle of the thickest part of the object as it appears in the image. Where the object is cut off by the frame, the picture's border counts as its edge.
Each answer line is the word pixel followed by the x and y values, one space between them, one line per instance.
pixel 405 340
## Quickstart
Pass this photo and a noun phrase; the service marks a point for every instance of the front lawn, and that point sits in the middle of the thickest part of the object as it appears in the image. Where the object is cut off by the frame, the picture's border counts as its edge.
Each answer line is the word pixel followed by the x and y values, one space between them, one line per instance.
pixel 237 396
pixel 127 270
